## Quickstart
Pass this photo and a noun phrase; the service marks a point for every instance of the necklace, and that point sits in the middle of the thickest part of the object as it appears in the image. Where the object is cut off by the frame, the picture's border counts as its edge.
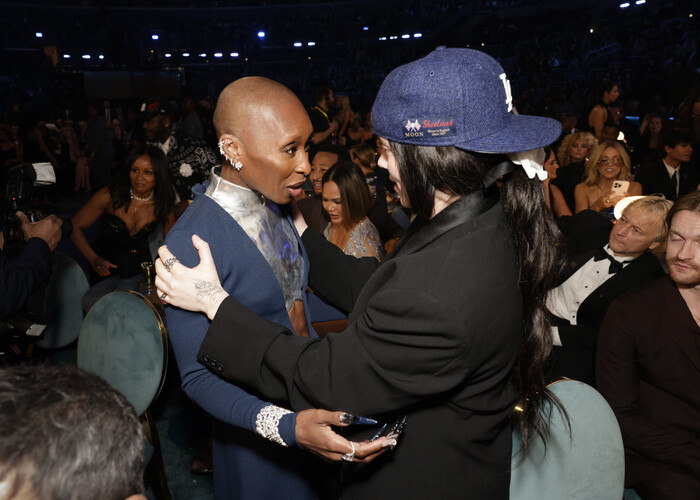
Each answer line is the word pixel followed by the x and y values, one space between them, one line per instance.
pixel 134 197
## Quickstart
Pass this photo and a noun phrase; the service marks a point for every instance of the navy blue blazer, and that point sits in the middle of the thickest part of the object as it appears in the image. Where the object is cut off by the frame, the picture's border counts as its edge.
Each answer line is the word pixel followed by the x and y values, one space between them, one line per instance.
pixel 245 464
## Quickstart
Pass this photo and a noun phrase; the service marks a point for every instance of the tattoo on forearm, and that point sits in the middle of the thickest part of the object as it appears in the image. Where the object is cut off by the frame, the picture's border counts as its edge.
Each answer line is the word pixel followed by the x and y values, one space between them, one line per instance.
pixel 207 291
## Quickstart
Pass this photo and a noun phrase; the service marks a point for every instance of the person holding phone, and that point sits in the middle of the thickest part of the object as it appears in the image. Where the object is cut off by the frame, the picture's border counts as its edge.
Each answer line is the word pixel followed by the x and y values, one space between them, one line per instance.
pixel 450 329
pixel 609 162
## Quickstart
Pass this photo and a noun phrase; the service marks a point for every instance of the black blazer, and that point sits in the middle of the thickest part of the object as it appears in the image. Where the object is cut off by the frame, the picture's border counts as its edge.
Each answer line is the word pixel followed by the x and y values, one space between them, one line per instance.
pixel 434 333
pixel 654 178
pixel 648 369
pixel 576 358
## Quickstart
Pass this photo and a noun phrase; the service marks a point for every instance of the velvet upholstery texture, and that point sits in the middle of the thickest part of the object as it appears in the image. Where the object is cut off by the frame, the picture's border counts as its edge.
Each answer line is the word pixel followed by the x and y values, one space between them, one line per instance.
pixel 588 464
pixel 123 340
pixel 72 284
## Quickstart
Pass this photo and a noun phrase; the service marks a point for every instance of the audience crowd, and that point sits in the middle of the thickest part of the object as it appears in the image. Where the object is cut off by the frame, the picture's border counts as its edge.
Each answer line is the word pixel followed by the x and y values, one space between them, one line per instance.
pixel 627 94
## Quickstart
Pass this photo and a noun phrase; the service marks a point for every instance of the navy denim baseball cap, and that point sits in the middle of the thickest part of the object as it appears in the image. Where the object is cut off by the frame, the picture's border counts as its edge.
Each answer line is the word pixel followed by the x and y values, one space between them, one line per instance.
pixel 456 97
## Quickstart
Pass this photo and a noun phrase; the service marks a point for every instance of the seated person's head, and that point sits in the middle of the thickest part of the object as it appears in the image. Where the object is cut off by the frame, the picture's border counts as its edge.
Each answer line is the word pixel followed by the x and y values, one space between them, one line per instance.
pixel 65 433
pixel 263 132
pixel 682 257
pixel 346 197
pixel 676 145
pixel 364 156
pixel 609 133
pixel 575 147
pixel 146 173
pixel 641 227
pixel 325 157
pixel 608 159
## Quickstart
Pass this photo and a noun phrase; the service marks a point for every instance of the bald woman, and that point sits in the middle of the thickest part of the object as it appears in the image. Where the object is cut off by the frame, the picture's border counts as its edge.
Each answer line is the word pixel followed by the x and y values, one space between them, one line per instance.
pixel 263 130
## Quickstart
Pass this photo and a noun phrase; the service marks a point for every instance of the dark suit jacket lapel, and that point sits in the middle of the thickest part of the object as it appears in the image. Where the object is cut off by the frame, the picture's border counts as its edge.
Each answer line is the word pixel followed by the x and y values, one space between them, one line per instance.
pixel 574 263
pixel 421 232
pixel 641 270
pixel 684 331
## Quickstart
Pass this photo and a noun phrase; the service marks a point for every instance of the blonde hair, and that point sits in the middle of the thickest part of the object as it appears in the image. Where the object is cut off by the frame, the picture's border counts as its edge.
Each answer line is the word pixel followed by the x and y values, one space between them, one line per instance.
pixel 343 102
pixel 655 207
pixel 365 154
pixel 592 176
pixel 563 154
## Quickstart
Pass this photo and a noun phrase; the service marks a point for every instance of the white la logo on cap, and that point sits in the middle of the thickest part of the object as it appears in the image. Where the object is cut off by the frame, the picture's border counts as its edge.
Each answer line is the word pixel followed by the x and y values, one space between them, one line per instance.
pixel 506 85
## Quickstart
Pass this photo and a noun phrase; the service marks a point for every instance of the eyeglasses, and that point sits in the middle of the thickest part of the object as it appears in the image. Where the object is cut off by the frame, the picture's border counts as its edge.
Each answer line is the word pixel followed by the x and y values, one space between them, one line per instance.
pixel 616 160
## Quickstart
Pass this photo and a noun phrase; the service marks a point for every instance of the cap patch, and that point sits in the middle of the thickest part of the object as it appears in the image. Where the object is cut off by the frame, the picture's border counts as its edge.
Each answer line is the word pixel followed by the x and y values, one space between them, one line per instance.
pixel 429 127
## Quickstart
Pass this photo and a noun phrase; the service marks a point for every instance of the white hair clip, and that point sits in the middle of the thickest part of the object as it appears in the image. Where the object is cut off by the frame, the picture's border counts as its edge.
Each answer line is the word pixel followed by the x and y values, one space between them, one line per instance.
pixel 531 161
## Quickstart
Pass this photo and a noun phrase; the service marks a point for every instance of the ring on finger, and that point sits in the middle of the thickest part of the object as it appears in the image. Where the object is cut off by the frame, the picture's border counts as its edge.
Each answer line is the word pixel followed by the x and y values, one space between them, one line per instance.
pixel 350 457
pixel 163 295
pixel 169 263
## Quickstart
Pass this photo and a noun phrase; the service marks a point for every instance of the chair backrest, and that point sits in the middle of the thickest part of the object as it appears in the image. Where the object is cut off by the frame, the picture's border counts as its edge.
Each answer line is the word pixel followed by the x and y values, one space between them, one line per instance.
pixel 588 463
pixel 71 285
pixel 123 340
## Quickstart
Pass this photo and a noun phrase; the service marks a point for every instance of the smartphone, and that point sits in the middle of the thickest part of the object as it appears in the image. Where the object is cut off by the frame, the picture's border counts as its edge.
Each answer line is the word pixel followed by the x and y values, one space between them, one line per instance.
pixel 620 187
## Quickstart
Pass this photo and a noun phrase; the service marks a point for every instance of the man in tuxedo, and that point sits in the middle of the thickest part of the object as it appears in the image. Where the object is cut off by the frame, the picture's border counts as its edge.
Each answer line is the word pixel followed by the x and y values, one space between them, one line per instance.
pixel 593 279
pixel 648 367
pixel 673 175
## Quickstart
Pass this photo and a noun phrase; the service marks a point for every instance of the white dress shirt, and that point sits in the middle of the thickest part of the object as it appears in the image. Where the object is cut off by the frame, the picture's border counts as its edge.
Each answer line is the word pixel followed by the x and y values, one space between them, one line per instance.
pixel 564 300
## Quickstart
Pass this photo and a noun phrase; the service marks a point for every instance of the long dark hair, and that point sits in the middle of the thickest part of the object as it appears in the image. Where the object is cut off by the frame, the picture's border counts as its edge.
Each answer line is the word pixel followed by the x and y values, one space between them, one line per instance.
pixel 355 197
pixel 163 192
pixel 540 253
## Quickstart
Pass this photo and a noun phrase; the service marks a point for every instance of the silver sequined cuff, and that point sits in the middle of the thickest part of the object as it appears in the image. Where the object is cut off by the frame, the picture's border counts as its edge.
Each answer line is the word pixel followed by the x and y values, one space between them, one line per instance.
pixel 267 423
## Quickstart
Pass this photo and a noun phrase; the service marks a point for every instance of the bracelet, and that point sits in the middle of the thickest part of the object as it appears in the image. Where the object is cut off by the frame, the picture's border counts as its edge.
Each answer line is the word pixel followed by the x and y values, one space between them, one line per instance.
pixel 267 423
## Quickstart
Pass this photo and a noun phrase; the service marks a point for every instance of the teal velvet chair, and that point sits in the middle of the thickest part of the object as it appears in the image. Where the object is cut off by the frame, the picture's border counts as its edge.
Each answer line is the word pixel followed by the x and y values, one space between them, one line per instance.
pixel 123 340
pixel 71 284
pixel 588 463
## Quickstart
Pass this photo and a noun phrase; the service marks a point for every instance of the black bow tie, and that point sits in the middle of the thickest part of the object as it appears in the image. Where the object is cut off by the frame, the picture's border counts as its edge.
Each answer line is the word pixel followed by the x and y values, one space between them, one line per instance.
pixel 615 266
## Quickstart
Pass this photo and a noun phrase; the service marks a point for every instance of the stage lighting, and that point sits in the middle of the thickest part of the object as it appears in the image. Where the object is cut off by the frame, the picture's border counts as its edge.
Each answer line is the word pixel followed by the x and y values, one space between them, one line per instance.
pixel 311 44
pixel 261 34
pixel 382 38
pixel 39 34
pixel 640 2
pixel 86 56
pixel 297 44
pixel 405 36
pixel 218 54
pixel 203 54
pixel 185 54
pixel 66 56
pixel 154 37
pixel 365 28
pixel 234 54
pixel 624 5
pixel 168 54
pixel 393 37
pixel 417 35
pixel 100 56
